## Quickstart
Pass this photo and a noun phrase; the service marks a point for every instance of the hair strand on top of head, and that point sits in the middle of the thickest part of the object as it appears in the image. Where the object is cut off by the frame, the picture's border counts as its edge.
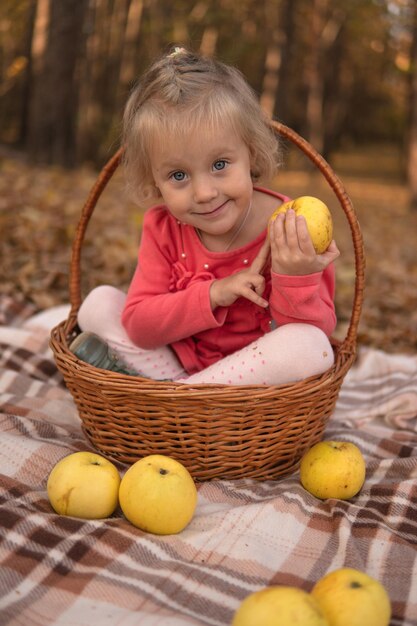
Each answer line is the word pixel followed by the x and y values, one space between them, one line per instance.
pixel 176 51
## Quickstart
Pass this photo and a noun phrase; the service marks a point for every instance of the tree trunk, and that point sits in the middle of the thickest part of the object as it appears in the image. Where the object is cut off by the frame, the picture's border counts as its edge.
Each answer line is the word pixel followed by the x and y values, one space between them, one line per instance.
pixel 287 27
pixel 209 41
pixel 56 49
pixel 272 58
pixel 327 20
pixel 412 138
pixel 134 20
pixel 279 26
pixel 26 91
pixel 315 78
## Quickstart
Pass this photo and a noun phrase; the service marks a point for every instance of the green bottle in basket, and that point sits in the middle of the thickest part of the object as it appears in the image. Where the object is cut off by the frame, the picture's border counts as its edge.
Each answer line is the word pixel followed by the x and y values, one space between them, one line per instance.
pixel 91 349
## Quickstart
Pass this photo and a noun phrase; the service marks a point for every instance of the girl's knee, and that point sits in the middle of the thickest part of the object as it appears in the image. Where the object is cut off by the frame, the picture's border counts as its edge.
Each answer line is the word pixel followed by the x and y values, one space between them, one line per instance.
pixel 104 295
pixel 102 305
pixel 307 348
pixel 316 349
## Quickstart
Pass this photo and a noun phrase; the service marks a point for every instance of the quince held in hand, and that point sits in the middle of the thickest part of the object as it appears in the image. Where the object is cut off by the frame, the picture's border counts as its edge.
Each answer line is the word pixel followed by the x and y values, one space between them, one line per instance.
pixel 85 485
pixel 333 469
pixel 158 495
pixel 349 597
pixel 317 216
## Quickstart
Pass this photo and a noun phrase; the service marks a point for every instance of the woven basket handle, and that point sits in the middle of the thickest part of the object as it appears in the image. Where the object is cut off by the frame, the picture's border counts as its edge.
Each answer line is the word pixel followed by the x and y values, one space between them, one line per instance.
pixel 108 170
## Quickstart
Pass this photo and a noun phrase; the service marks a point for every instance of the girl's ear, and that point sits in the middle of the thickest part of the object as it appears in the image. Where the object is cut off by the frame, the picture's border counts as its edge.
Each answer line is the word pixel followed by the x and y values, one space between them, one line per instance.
pixel 150 193
pixel 253 168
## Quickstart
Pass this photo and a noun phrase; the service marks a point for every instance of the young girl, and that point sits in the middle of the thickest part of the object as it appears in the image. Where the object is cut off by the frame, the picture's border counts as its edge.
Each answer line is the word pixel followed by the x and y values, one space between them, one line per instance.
pixel 217 296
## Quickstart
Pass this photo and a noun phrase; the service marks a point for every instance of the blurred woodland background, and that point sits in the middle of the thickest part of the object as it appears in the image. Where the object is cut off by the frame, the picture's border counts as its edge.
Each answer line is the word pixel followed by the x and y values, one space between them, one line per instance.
pixel 342 74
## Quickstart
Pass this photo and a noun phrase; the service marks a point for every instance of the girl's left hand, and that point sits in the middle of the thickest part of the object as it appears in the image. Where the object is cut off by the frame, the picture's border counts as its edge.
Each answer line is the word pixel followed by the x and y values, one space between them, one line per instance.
pixel 292 251
pixel 248 283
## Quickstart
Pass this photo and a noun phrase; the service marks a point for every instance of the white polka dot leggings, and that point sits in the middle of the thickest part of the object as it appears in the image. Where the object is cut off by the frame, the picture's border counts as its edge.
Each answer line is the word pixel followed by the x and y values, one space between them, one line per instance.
pixel 287 354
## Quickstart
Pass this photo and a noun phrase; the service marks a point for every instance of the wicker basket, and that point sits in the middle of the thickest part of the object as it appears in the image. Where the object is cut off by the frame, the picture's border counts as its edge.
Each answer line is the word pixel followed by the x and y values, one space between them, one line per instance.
pixel 216 431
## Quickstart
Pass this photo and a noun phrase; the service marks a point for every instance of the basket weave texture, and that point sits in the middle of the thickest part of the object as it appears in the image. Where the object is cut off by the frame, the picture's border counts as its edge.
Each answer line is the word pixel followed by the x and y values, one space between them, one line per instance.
pixel 216 431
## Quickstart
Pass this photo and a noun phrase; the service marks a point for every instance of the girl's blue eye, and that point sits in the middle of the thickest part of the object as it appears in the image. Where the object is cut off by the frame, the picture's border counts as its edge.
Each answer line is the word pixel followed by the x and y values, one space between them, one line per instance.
pixel 220 164
pixel 178 176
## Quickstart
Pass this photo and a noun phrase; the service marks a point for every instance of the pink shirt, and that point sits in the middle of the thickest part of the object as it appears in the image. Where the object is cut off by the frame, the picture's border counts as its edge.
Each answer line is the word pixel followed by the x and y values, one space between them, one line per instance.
pixel 168 299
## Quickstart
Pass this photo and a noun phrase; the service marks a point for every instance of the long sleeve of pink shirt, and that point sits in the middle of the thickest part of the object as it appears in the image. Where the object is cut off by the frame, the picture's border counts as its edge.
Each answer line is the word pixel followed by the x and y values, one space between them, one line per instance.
pixel 308 299
pixel 168 300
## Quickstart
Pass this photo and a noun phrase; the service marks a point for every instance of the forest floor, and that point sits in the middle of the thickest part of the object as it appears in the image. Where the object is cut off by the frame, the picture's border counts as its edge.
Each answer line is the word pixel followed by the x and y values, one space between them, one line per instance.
pixel 40 208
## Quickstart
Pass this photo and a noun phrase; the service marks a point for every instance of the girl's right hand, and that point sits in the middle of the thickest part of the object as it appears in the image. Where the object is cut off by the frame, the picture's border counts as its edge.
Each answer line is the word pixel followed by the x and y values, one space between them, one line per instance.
pixel 292 251
pixel 249 283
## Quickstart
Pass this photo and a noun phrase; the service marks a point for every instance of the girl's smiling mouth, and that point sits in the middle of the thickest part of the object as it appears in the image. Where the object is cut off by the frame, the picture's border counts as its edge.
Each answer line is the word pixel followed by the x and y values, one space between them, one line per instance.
pixel 211 213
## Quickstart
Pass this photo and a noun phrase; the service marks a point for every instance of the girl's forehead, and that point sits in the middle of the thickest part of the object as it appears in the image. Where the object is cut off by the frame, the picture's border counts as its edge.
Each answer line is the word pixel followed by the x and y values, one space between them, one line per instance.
pixel 221 133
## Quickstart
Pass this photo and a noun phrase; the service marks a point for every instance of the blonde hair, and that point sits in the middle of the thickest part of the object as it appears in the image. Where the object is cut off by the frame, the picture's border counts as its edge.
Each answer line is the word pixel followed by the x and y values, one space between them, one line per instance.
pixel 183 90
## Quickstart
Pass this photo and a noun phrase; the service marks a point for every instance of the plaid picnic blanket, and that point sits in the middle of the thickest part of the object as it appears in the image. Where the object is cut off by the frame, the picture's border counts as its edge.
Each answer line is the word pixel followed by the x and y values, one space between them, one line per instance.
pixel 245 534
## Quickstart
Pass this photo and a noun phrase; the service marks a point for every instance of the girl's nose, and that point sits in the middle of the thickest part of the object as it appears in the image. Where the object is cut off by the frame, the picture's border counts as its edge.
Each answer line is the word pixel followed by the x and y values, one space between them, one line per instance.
pixel 203 189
